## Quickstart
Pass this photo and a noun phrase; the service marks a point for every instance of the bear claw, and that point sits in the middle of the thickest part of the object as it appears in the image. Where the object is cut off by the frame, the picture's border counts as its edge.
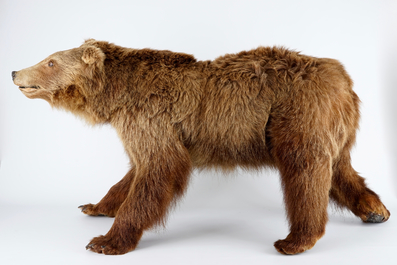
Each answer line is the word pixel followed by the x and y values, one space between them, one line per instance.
pixel 89 246
pixel 90 209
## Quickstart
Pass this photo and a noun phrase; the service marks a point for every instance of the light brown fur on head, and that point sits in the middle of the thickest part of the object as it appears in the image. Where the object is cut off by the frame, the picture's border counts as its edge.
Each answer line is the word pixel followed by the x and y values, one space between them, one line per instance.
pixel 66 79
pixel 263 107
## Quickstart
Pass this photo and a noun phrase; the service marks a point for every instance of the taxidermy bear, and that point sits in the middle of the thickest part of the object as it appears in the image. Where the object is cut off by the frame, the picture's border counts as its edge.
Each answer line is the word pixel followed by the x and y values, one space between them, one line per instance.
pixel 264 107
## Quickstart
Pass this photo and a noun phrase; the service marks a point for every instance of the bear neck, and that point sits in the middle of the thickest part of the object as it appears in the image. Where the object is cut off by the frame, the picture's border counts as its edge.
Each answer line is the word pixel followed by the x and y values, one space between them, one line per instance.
pixel 136 79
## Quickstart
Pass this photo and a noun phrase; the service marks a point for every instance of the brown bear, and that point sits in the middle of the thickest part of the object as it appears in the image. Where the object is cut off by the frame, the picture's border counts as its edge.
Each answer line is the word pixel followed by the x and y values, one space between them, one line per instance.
pixel 265 107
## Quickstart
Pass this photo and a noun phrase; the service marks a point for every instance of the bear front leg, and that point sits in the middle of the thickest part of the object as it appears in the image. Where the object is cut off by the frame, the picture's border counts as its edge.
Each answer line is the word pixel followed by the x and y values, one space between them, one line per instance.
pixel 145 206
pixel 162 173
pixel 110 204
pixel 306 181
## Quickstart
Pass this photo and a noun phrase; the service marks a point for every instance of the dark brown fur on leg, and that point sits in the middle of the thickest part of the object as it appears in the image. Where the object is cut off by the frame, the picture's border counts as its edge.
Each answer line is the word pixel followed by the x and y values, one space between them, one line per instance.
pixel 349 190
pixel 145 206
pixel 306 186
pixel 110 204
pixel 161 177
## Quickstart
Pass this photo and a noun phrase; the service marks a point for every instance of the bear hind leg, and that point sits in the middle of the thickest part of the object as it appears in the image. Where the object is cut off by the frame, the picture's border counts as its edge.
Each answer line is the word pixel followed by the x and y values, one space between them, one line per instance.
pixel 306 181
pixel 350 191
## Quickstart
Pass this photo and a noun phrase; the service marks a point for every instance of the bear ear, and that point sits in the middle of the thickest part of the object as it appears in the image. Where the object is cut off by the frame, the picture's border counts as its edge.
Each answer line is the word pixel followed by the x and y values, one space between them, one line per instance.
pixel 90 41
pixel 93 55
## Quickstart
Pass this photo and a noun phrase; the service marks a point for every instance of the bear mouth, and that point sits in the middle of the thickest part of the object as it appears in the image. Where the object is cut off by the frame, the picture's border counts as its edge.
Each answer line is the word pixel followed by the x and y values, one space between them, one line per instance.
pixel 29 88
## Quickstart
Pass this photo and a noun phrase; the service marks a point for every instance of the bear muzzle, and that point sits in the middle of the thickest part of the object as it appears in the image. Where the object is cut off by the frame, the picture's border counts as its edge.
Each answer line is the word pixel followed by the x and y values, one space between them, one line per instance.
pixel 22 87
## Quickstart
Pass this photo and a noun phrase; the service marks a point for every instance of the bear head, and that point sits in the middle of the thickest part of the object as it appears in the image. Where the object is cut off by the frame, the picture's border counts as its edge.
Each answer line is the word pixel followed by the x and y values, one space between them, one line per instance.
pixel 79 68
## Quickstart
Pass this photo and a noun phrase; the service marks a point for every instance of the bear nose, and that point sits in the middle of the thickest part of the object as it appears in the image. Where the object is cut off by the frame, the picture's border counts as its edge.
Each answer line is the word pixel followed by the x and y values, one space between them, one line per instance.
pixel 14 74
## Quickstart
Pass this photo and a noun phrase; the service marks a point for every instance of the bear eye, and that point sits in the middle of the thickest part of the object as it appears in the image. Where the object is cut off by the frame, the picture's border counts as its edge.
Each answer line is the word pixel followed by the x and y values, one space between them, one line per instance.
pixel 50 63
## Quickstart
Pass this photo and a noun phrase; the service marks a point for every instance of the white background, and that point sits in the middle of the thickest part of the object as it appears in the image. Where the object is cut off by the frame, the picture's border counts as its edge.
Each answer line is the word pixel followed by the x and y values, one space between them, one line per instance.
pixel 52 162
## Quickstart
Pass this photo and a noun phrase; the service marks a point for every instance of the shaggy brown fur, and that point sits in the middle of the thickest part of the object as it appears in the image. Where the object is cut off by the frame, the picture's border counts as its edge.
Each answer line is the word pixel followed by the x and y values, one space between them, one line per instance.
pixel 264 107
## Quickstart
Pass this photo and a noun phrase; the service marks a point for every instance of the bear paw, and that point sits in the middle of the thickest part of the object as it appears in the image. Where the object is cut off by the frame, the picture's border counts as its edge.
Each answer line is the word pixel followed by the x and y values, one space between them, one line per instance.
pixel 108 246
pixel 371 210
pixel 376 218
pixel 291 247
pixel 91 210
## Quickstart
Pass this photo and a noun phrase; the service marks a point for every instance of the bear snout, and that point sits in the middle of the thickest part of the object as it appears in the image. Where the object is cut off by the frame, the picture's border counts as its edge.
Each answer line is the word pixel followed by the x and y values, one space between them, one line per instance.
pixel 13 74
